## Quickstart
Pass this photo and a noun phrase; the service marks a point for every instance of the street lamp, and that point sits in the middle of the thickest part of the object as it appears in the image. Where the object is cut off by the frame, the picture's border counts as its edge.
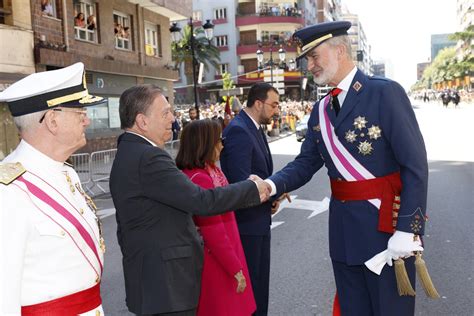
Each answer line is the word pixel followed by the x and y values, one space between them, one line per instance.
pixel 261 64
pixel 193 45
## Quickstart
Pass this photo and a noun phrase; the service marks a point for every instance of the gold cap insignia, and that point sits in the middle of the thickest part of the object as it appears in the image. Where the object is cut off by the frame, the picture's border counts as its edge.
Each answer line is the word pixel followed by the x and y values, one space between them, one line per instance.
pixel 10 171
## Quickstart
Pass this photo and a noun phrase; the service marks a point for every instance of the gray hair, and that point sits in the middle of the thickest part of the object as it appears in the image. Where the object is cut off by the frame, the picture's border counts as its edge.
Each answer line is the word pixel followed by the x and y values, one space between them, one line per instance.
pixel 342 40
pixel 29 122
pixel 136 100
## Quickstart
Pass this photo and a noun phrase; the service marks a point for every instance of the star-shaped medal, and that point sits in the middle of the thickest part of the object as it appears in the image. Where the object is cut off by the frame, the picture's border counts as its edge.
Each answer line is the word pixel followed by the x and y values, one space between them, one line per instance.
pixel 365 148
pixel 374 132
pixel 351 136
pixel 359 122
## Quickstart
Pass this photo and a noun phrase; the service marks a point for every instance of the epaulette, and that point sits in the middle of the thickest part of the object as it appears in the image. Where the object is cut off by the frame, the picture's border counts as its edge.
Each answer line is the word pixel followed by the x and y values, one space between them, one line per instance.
pixel 68 164
pixel 10 171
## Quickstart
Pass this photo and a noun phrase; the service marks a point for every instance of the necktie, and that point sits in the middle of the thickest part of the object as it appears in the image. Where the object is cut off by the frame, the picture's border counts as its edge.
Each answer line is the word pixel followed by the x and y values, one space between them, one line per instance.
pixel 264 138
pixel 335 102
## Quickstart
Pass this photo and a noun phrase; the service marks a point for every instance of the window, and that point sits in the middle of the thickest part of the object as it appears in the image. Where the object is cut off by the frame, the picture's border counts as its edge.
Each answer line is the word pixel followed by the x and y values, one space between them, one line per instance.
pixel 220 13
pixel 122 31
pixel 197 15
pixel 85 22
pixel 5 12
pixel 152 40
pixel 221 40
pixel 48 7
pixel 223 68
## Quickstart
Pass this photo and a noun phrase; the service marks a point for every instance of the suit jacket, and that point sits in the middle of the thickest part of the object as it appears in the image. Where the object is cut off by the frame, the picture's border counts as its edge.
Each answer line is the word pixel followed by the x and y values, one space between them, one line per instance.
pixel 353 234
pixel 246 152
pixel 223 258
pixel 155 201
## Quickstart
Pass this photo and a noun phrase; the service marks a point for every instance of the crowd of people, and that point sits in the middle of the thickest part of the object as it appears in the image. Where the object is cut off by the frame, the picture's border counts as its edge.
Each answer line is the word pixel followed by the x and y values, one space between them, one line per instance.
pixel 195 238
pixel 445 96
pixel 291 112
pixel 80 21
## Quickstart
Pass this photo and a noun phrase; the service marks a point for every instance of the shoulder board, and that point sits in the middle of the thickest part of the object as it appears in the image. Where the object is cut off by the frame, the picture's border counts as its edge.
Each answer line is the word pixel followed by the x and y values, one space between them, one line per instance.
pixel 68 164
pixel 10 171
pixel 378 78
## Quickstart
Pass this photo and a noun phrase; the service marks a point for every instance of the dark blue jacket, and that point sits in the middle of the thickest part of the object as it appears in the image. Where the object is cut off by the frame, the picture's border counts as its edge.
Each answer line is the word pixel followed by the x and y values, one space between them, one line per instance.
pixel 353 234
pixel 245 152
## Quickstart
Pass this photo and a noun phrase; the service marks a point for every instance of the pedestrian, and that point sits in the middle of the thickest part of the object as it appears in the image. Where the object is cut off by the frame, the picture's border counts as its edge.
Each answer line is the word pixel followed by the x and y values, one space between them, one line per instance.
pixel 155 201
pixel 246 152
pixel 52 249
pixel 366 134
pixel 176 126
pixel 225 287
pixel 192 112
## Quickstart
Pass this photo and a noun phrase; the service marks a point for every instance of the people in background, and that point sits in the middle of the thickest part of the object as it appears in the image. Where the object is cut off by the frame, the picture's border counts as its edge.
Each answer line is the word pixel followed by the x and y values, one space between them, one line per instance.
pixel 79 20
pixel 91 22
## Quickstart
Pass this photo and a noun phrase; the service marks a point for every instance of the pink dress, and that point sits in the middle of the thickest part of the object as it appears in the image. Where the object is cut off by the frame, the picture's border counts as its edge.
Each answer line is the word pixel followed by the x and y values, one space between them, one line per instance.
pixel 223 257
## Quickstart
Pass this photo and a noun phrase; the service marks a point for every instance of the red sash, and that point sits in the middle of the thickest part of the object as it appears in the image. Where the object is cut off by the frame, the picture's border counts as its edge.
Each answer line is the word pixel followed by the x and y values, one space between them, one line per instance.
pixel 387 189
pixel 70 305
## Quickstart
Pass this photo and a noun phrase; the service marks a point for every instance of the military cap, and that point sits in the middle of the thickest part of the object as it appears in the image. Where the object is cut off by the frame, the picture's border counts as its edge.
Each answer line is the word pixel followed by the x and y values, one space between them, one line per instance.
pixel 45 90
pixel 311 36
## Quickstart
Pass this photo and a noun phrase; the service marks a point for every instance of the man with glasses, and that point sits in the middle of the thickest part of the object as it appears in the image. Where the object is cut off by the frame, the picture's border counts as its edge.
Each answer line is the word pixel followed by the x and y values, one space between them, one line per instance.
pixel 52 247
pixel 246 152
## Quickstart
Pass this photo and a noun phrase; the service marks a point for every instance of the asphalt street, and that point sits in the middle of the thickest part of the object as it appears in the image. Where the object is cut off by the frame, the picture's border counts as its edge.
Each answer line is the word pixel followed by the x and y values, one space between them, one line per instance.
pixel 301 274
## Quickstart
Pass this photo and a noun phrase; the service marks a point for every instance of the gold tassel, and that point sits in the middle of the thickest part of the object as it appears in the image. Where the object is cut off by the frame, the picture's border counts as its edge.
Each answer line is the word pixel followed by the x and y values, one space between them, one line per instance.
pixel 403 282
pixel 425 278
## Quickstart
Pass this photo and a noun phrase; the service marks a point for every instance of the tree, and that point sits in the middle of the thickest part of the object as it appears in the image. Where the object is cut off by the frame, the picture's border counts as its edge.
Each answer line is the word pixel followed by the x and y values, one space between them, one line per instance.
pixel 204 52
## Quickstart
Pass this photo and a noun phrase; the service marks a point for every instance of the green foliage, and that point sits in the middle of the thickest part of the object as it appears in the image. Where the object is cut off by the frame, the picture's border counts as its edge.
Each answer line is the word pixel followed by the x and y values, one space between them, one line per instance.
pixel 205 52
pixel 227 83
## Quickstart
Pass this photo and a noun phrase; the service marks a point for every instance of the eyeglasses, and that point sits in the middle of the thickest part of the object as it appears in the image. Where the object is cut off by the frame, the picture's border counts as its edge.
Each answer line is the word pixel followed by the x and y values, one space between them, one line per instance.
pixel 82 112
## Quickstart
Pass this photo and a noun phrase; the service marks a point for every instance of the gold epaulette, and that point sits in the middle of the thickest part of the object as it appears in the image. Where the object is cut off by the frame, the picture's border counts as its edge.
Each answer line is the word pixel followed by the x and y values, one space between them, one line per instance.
pixel 10 171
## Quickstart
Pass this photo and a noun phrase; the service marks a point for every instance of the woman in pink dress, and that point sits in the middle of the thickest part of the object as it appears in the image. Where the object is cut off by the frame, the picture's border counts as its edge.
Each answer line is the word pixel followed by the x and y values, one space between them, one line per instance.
pixel 225 286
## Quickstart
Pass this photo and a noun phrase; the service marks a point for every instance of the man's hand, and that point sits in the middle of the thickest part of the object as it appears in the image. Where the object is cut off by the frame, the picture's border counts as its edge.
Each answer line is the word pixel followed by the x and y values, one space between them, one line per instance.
pixel 402 245
pixel 264 189
pixel 241 283
pixel 277 202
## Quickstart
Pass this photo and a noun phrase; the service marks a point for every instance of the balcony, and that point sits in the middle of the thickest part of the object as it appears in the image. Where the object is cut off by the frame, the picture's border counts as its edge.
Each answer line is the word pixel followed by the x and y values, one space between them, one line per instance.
pixel 251 78
pixel 248 15
pixel 251 46
pixel 260 19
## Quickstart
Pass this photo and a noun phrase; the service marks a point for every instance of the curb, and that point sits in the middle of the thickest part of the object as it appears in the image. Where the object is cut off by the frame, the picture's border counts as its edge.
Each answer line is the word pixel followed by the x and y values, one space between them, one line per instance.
pixel 283 135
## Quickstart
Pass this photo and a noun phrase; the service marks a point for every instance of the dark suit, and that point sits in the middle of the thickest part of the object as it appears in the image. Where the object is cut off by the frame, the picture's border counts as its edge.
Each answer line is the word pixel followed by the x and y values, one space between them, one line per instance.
pixel 155 201
pixel 353 234
pixel 246 152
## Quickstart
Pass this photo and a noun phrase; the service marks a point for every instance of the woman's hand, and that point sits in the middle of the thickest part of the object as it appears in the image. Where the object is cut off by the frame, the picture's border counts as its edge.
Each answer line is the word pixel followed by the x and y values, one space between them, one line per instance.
pixel 241 283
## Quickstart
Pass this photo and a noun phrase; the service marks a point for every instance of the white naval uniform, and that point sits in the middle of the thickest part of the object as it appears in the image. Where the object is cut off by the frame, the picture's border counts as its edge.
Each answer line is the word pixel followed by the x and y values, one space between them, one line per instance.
pixel 44 256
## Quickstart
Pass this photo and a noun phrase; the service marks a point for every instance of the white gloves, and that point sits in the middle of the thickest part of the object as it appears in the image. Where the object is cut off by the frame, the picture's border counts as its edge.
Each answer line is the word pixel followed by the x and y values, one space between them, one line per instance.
pixel 400 245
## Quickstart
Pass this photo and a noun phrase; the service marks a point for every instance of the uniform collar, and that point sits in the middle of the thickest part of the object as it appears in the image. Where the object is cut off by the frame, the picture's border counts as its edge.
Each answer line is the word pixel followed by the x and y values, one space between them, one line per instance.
pixel 40 160
pixel 345 84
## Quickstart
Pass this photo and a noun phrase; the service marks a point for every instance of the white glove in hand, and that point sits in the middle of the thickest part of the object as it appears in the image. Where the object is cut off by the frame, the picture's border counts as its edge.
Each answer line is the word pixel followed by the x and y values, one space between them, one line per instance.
pixel 402 245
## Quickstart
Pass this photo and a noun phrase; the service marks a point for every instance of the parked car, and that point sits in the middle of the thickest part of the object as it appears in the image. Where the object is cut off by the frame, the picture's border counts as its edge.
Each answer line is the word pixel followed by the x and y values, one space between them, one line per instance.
pixel 301 128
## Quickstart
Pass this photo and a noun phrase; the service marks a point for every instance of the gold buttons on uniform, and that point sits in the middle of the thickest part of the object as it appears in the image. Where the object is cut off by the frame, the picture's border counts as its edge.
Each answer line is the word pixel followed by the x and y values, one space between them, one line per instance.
pixel 81 211
pixel 62 233
pixel 97 313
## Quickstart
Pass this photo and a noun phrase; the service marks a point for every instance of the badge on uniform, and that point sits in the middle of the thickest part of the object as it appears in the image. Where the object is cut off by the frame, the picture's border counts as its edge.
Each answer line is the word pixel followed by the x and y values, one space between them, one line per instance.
pixel 357 86
pixel 317 128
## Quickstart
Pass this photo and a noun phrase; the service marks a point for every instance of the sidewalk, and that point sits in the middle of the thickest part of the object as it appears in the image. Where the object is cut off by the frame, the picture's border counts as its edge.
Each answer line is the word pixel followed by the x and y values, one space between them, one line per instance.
pixel 282 135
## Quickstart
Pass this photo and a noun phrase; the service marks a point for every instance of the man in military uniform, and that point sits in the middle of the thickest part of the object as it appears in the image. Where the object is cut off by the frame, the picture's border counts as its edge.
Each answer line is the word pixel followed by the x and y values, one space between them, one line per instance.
pixel 366 134
pixel 52 248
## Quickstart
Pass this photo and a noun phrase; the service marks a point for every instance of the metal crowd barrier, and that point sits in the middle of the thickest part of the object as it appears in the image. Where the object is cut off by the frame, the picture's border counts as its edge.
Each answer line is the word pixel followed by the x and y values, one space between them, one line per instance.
pixel 94 169
pixel 81 163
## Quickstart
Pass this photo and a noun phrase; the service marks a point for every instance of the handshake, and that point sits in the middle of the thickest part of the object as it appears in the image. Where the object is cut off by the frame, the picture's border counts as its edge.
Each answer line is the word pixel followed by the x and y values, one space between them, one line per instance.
pixel 264 189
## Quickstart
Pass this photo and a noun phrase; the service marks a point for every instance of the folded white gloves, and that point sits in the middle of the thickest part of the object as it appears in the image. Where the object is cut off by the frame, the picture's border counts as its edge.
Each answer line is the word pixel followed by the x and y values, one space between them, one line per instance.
pixel 400 245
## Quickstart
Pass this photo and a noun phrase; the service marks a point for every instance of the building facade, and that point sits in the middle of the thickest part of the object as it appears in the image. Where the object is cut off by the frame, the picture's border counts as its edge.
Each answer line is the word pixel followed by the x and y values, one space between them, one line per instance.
pixel 438 42
pixel 361 50
pixel 16 61
pixel 122 43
